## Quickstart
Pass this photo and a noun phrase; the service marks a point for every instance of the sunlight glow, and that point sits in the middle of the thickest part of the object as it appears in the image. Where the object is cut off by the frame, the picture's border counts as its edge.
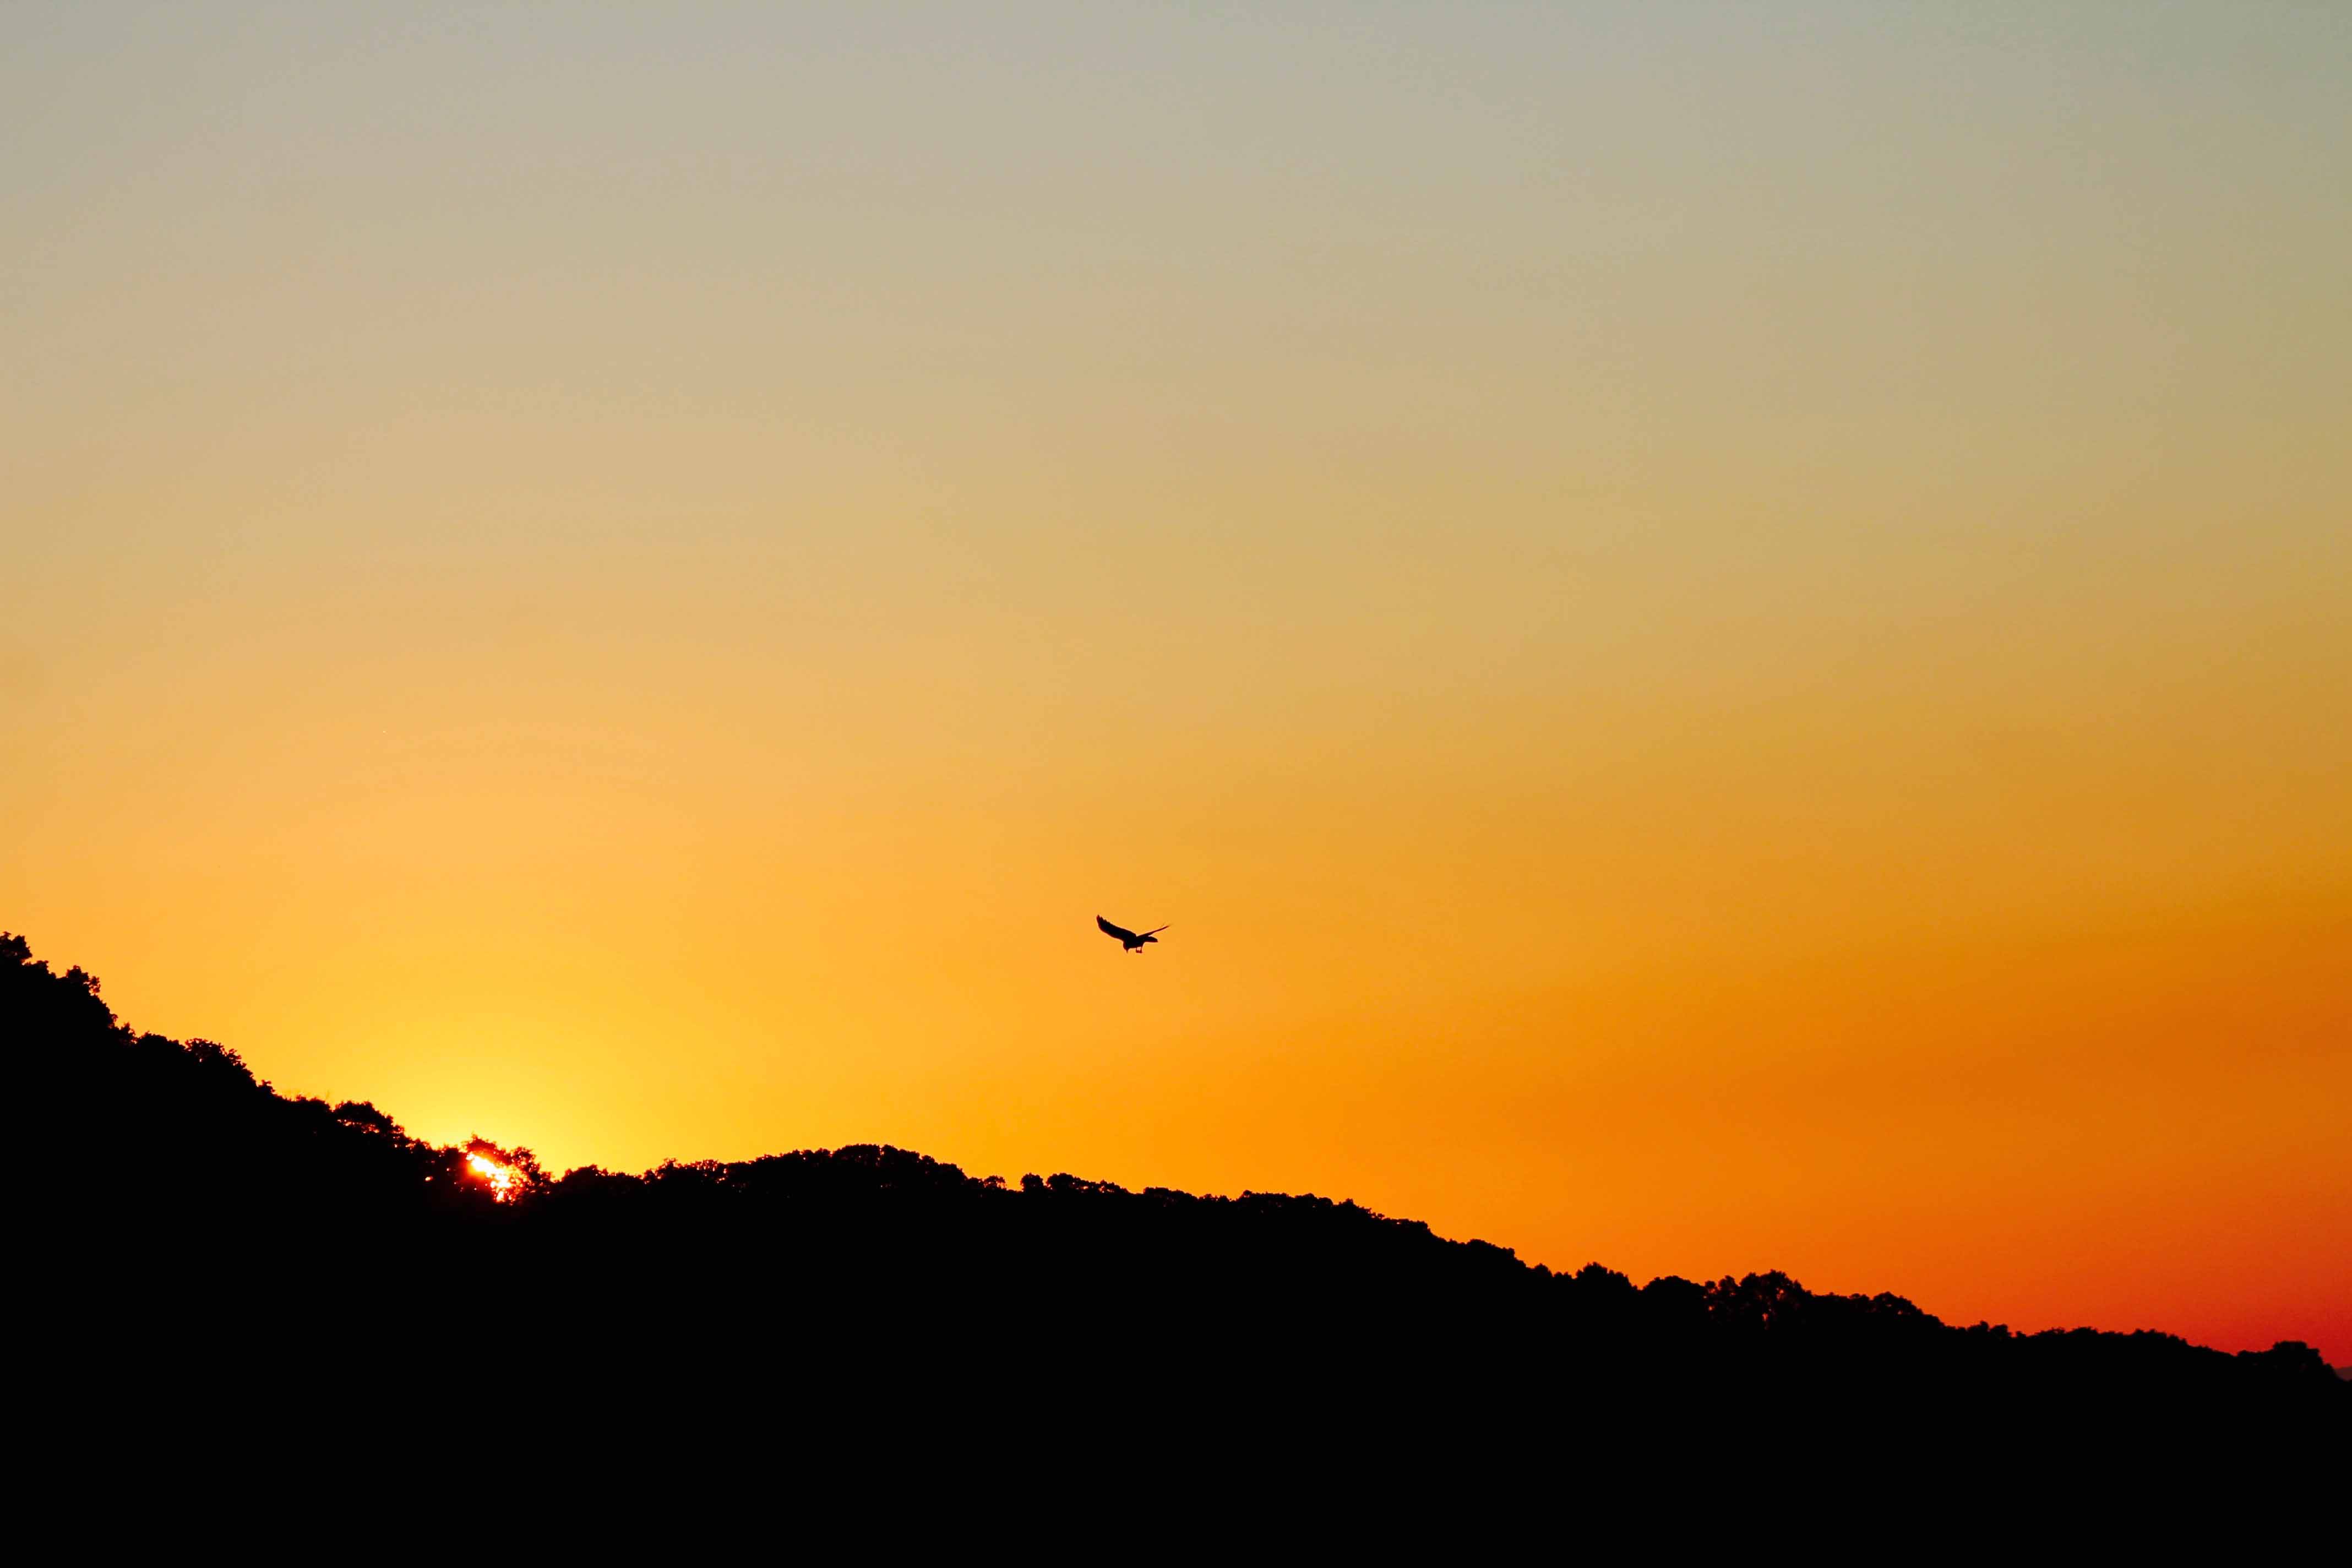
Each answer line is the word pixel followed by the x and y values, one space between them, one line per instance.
pixel 499 1177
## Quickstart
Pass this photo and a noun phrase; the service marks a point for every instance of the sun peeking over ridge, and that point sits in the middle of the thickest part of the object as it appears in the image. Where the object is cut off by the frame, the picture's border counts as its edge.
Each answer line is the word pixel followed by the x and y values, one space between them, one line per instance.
pixel 508 1174
pixel 502 1180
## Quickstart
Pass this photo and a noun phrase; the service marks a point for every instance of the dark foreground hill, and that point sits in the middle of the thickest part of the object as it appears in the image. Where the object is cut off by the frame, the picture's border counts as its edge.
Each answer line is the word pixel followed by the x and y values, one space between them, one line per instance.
pixel 195 1228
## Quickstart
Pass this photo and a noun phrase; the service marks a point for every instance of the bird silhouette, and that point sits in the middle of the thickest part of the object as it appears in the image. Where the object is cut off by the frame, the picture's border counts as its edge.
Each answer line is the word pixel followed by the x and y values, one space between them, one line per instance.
pixel 1131 941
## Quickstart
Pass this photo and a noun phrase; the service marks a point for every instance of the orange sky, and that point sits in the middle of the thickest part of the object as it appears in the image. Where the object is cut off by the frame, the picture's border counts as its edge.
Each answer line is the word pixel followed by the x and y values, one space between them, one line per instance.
pixel 1725 632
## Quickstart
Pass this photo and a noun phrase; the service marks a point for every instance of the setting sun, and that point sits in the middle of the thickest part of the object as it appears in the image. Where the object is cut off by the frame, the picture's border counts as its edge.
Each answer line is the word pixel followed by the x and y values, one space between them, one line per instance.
pixel 500 1178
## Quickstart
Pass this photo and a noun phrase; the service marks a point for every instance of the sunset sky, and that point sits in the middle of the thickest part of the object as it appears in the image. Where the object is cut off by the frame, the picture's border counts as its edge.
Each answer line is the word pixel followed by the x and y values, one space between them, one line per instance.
pixel 1724 631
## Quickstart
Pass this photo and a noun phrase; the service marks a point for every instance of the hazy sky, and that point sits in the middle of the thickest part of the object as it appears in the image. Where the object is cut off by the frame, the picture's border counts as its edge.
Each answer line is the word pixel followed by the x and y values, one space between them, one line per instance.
pixel 1724 630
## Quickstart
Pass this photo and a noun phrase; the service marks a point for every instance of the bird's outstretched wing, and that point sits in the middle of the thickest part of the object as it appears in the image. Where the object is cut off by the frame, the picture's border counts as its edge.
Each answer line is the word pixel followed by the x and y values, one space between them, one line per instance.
pixel 1119 932
pixel 1155 930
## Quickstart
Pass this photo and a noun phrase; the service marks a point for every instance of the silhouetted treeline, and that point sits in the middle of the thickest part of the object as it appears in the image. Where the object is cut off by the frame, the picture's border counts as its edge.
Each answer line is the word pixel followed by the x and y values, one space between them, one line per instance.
pixel 196 1219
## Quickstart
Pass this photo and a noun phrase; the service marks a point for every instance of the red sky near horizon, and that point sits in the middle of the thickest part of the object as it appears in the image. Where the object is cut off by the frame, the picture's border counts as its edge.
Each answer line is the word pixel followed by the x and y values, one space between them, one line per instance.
pixel 1725 633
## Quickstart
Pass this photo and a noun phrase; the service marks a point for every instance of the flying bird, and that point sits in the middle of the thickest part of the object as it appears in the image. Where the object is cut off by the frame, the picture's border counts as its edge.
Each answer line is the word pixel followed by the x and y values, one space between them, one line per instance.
pixel 1131 941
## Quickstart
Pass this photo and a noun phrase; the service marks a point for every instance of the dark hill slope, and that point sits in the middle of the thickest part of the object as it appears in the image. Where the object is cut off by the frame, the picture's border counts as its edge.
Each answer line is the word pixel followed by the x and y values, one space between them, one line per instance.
pixel 195 1218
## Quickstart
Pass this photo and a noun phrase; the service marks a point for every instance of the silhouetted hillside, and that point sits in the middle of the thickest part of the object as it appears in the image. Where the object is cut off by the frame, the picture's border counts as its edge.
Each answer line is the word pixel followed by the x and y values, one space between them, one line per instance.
pixel 199 1217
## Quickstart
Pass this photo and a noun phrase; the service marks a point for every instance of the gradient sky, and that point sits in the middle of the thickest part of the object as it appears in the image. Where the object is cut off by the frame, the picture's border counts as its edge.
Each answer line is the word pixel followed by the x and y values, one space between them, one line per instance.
pixel 1724 630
